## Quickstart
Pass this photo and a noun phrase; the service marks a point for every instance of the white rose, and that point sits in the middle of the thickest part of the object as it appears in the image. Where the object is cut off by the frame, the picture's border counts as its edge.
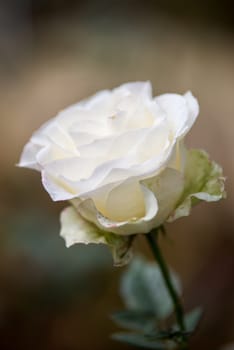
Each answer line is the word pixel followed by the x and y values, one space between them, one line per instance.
pixel 120 159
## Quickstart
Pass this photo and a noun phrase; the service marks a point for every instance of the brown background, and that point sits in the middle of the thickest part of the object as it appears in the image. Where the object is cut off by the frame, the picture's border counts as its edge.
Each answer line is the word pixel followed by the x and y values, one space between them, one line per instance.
pixel 53 53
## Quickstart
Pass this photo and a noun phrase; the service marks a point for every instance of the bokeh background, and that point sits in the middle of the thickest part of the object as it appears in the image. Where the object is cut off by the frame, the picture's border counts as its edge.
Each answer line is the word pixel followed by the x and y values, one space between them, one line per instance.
pixel 52 54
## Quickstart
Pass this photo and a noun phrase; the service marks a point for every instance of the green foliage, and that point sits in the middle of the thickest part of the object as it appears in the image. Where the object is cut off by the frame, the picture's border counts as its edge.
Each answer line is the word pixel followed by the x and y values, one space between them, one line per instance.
pixel 192 319
pixel 148 308
pixel 140 340
pixel 143 289
pixel 135 320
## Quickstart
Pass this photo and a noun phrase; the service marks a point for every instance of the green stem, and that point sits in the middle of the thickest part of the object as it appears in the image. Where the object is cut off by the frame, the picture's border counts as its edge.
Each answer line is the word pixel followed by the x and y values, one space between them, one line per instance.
pixel 179 312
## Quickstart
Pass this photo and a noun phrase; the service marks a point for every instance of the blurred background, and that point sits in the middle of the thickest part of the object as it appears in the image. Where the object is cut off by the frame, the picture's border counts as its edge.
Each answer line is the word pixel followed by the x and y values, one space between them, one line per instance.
pixel 52 54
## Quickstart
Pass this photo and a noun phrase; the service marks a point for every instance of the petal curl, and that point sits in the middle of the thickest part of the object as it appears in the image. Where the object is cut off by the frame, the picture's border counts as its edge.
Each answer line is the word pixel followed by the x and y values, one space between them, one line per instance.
pixel 132 226
pixel 122 203
pixel 181 111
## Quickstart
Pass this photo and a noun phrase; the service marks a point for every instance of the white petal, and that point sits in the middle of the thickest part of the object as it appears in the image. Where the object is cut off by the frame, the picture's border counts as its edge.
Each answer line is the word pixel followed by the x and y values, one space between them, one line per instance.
pixel 58 135
pixel 193 107
pixel 149 150
pixel 130 227
pixel 49 143
pixel 178 157
pixel 180 111
pixel 124 202
pixel 135 88
pixel 28 156
pixel 96 101
pixel 112 172
pixel 57 187
pixel 51 153
pixel 167 188
pixel 155 143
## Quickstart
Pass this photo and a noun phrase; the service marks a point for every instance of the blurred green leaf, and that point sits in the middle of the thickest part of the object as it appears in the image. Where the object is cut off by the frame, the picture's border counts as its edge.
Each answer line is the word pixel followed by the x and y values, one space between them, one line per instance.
pixel 135 320
pixel 191 320
pixel 141 341
pixel 143 289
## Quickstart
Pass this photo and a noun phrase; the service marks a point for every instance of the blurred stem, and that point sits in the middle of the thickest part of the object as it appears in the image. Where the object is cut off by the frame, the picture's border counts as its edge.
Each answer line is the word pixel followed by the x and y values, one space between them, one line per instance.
pixel 179 312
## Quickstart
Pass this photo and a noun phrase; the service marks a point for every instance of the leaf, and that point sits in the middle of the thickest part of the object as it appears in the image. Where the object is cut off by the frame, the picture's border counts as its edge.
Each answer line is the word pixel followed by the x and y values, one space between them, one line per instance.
pixel 192 319
pixel 135 320
pixel 204 181
pixel 143 289
pixel 142 341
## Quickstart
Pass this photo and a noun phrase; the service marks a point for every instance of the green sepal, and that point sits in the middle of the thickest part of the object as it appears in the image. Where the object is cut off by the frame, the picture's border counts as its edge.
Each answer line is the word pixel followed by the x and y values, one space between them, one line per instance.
pixel 204 181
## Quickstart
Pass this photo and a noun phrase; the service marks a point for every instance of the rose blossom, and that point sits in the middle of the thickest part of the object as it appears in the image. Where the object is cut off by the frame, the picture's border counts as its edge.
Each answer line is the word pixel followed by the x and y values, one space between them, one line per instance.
pixel 119 158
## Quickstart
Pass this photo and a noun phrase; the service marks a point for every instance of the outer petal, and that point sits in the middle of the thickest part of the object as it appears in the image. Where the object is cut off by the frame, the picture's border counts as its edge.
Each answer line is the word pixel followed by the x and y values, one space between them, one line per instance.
pixel 203 181
pixel 28 156
pixel 178 157
pixel 180 111
pixel 193 107
pixel 123 202
pixel 167 188
pixel 142 88
pixel 75 229
pixel 57 187
pixel 61 172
